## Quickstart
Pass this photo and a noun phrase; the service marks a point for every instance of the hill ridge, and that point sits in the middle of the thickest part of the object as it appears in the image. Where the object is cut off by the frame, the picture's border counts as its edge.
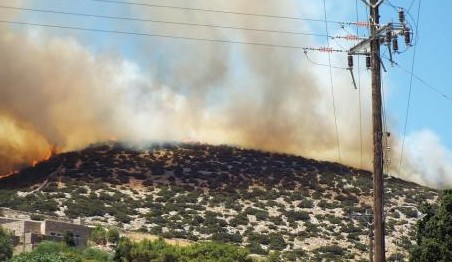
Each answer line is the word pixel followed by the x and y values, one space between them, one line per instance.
pixel 262 200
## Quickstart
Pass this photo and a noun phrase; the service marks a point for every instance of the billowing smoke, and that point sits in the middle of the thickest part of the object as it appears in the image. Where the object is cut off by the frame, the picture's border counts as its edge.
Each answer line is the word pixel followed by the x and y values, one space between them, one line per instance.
pixel 425 160
pixel 55 92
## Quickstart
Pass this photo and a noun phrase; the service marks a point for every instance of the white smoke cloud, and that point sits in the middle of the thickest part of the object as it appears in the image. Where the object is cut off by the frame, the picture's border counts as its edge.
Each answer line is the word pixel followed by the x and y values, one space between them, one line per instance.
pixel 426 160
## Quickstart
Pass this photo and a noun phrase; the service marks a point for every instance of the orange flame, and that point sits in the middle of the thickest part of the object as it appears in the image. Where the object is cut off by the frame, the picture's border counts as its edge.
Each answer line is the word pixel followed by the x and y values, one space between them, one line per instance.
pixel 52 151
pixel 11 172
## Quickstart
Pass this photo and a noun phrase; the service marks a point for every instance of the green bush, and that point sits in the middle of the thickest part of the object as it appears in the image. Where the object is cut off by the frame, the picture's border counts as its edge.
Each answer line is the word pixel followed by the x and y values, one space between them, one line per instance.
pixel 433 232
pixel 293 216
pixel 99 235
pixel 333 250
pixel 112 235
pixel 59 252
pixel 306 203
pixel 48 257
pixel 160 251
pixel 96 255
pixel 6 245
pixel 224 237
pixel 69 238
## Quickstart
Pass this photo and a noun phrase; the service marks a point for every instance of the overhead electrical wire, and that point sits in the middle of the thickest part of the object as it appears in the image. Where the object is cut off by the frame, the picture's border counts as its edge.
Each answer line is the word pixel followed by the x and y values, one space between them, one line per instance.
pixel 411 5
pixel 407 112
pixel 158 21
pixel 436 90
pixel 212 10
pixel 160 35
pixel 332 84
pixel 320 64
pixel 359 94
pixel 384 121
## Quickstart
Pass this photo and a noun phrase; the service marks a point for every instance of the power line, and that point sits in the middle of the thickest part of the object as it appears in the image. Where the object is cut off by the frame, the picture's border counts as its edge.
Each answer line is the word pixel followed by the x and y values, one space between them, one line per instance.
pixel 320 49
pixel 410 91
pixel 436 90
pixel 168 36
pixel 320 64
pixel 422 81
pixel 212 10
pixel 331 84
pixel 411 5
pixel 158 21
pixel 359 94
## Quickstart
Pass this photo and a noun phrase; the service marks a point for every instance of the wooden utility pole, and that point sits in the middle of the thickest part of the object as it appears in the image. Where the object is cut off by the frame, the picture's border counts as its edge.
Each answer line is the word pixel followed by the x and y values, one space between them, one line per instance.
pixel 388 35
pixel 373 62
pixel 379 225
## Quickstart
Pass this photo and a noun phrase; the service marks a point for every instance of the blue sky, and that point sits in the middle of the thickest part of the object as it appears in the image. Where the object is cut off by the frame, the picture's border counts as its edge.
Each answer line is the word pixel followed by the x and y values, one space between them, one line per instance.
pixel 428 109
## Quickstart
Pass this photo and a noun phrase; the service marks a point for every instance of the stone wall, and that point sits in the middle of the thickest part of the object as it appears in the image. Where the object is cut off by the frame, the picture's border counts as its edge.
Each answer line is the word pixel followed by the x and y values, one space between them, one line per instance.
pixel 18 227
pixel 58 229
pixel 32 227
pixel 28 233
pixel 4 220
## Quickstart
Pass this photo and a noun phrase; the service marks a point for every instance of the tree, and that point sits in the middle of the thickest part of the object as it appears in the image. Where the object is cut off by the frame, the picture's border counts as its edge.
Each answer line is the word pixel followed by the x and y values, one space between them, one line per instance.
pixel 123 250
pixel 113 235
pixel 49 257
pixel 434 232
pixel 94 255
pixel 69 238
pixel 6 245
pixel 99 235
pixel 47 251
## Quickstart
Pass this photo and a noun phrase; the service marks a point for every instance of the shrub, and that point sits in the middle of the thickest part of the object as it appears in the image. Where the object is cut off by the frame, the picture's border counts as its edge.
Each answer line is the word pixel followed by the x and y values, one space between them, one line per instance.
pixel 333 250
pixel 225 237
pixel 306 203
pixel 112 235
pixel 6 245
pixel 95 255
pixel 99 235
pixel 69 238
pixel 277 241
pixel 293 216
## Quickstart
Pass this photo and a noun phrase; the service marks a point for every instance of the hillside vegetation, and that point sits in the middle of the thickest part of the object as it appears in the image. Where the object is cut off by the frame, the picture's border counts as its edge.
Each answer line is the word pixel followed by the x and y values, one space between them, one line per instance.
pixel 260 200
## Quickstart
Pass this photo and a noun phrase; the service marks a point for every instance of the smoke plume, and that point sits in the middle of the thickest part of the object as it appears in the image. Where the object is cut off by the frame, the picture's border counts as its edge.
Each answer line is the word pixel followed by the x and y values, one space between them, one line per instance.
pixel 55 92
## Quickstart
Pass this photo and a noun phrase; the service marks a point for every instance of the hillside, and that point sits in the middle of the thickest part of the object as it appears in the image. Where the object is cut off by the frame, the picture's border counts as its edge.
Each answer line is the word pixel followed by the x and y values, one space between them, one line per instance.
pixel 261 200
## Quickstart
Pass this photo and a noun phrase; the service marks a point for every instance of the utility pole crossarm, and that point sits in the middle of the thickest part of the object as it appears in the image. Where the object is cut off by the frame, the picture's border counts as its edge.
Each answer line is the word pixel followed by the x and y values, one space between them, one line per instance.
pixel 372 4
pixel 366 42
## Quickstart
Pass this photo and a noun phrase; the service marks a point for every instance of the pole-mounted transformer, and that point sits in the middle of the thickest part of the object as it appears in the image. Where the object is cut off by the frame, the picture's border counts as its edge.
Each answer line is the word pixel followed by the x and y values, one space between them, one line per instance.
pixel 395 44
pixel 407 34
pixel 402 16
pixel 350 61
pixel 388 37
pixel 368 65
